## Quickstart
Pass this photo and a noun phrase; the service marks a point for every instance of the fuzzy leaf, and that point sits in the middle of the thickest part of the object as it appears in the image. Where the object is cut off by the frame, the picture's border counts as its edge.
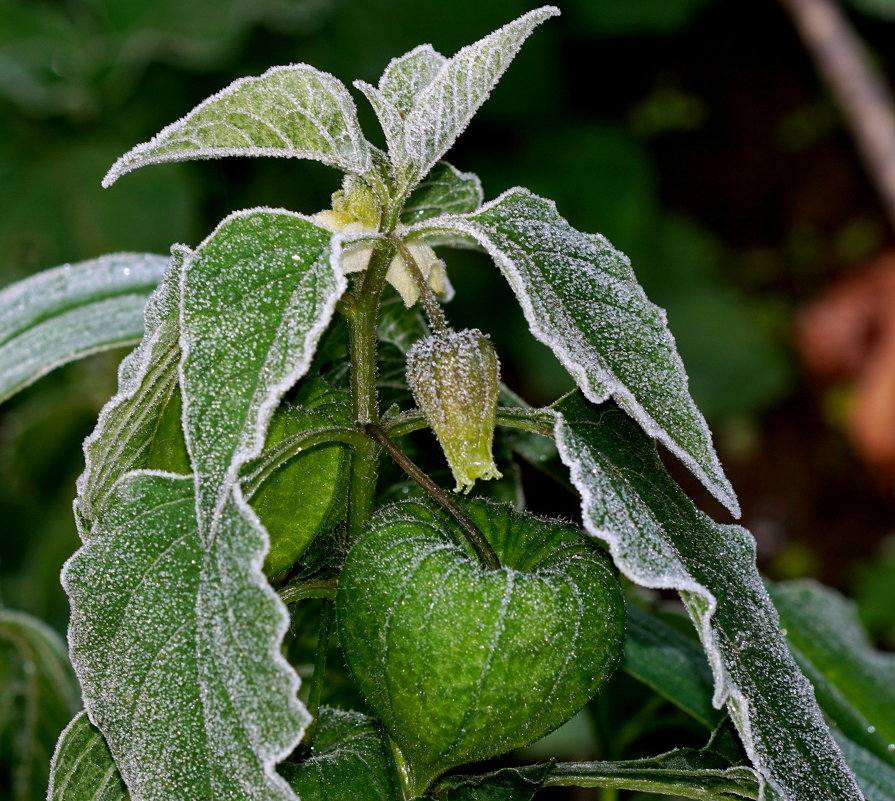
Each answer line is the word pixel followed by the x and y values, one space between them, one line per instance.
pixel 69 312
pixel 671 664
pixel 424 104
pixel 875 777
pixel 582 300
pixel 445 190
pixel 404 78
pixel 715 772
pixel 351 761
pixel 176 641
pixel 291 112
pixel 38 695
pixel 147 378
pixel 507 784
pixel 82 768
pixel 854 682
pixel 659 539
pixel 257 295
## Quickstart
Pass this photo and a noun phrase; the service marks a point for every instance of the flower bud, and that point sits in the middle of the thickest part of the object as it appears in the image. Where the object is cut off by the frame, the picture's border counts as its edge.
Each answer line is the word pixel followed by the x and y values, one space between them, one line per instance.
pixel 454 376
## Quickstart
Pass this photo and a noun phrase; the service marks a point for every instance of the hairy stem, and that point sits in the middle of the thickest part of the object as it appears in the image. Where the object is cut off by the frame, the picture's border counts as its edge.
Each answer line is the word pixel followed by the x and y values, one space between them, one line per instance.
pixel 312 588
pixel 323 638
pixel 482 547
pixel 362 323
pixel 274 458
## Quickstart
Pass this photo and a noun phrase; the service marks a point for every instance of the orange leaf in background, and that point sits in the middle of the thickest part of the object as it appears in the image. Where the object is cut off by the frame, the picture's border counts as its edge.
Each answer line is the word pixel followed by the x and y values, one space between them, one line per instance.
pixel 849 332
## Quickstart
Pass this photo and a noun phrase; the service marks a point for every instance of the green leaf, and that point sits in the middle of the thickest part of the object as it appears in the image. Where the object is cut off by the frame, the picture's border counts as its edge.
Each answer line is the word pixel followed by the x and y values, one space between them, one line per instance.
pixel 875 777
pixel 424 104
pixel 683 773
pixel 508 784
pixel 350 762
pixel 445 190
pixel 671 664
pixel 69 312
pixel 404 78
pixel 82 768
pixel 659 539
pixel 38 696
pixel 582 300
pixel 291 112
pixel 147 378
pixel 257 294
pixel 176 641
pixel 855 683
pixel 713 773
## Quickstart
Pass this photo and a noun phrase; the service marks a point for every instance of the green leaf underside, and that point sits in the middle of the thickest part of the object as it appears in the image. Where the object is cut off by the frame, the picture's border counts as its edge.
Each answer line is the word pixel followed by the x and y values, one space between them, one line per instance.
pixel 128 423
pixel 257 294
pixel 508 784
pixel 350 762
pixel 671 664
pixel 404 78
pixel 82 768
pixel 294 111
pixel 659 539
pixel 685 773
pixel 445 190
pixel 176 643
pixel 855 683
pixel 581 299
pixel 69 312
pixel 38 696
pixel 424 102
pixel 875 777
pixel 714 773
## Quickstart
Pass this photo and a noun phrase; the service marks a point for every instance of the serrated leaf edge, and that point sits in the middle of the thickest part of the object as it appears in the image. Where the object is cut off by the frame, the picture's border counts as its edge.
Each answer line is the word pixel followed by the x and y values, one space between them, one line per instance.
pixel 255 443
pixel 138 156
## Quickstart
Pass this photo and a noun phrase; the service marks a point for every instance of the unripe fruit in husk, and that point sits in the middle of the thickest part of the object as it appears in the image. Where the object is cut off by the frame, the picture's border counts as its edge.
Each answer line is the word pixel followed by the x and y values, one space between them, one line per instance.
pixel 300 498
pixel 455 378
pixel 462 663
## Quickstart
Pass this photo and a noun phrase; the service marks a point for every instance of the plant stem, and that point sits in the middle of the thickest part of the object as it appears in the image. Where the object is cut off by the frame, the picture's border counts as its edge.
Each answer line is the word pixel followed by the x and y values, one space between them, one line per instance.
pixel 434 313
pixel 362 324
pixel 477 540
pixel 534 421
pixel 312 588
pixel 326 626
pixel 273 458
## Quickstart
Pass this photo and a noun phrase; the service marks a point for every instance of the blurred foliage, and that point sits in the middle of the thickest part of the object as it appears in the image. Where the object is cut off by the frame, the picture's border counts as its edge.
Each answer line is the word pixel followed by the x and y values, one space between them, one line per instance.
pixel 873 588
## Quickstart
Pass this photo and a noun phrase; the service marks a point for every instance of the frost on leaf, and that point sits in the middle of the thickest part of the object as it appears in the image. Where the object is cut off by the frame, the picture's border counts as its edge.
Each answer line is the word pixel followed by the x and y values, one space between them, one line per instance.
pixel 82 768
pixel 146 380
pixel 69 312
pixel 351 761
pixel 581 299
pixel 176 642
pixel 445 190
pixel 659 539
pixel 294 111
pixel 38 695
pixel 424 103
pixel 404 78
pixel 256 296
